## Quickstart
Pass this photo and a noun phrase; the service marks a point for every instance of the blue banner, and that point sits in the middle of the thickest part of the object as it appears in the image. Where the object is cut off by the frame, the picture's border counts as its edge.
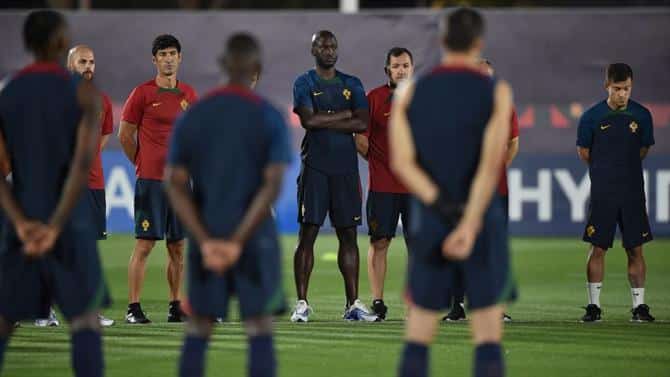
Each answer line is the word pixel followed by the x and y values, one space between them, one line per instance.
pixel 548 195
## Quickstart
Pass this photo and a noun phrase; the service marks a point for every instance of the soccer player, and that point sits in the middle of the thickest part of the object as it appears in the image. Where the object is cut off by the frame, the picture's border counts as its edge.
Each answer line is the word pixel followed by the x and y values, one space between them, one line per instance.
pixel 457 312
pixel 49 127
pixel 448 134
pixel 613 138
pixel 234 146
pixel 81 60
pixel 146 125
pixel 331 106
pixel 387 198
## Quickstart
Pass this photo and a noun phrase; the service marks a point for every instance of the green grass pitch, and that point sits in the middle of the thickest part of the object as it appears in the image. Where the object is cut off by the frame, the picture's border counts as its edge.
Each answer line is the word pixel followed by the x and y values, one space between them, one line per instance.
pixel 545 338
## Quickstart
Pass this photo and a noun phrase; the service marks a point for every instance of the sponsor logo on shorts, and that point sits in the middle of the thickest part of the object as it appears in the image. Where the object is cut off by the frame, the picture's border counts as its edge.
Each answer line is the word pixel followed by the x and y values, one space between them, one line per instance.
pixel 356 218
pixel 645 234
pixel 145 225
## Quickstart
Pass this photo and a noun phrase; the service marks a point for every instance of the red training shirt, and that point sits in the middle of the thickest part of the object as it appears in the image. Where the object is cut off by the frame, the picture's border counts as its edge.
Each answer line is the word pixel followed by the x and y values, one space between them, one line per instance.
pixel 154 109
pixel 381 177
pixel 96 179
pixel 513 133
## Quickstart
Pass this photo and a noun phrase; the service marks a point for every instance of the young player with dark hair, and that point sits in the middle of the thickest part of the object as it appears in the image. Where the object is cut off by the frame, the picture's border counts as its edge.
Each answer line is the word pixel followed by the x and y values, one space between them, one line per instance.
pixel 451 164
pixel 146 125
pixel 613 138
pixel 234 146
pixel 49 130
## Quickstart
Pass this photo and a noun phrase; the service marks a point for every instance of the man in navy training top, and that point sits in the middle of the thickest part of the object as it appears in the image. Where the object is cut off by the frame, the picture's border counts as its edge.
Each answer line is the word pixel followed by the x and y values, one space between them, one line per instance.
pixel 613 138
pixel 448 134
pixel 49 127
pixel 234 147
pixel 332 107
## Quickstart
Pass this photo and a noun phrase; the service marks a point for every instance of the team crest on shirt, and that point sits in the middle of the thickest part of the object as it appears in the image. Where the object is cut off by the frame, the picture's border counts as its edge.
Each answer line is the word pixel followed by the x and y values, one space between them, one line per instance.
pixel 145 225
pixel 184 104
pixel 590 230
pixel 633 127
pixel 346 93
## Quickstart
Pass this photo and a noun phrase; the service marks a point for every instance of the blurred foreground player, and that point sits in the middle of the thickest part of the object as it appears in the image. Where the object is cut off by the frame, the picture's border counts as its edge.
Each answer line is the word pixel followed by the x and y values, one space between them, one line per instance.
pixel 457 311
pixel 332 107
pixel 614 136
pixel 81 60
pixel 388 199
pixel 234 146
pixel 146 126
pixel 49 123
pixel 448 136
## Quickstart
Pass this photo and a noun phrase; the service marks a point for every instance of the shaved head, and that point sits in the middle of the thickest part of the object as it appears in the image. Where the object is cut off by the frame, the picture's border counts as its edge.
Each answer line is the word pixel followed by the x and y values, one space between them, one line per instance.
pixel 322 34
pixel 81 59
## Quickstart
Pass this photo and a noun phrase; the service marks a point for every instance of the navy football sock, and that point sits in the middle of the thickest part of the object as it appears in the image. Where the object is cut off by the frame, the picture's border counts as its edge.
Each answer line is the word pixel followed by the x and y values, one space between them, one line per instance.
pixel 192 362
pixel 3 346
pixel 87 353
pixel 261 357
pixel 489 361
pixel 414 362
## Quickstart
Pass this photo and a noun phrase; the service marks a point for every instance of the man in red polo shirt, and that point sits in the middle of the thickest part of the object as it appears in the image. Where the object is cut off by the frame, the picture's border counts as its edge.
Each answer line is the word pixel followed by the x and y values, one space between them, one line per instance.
pixel 457 311
pixel 146 126
pixel 387 197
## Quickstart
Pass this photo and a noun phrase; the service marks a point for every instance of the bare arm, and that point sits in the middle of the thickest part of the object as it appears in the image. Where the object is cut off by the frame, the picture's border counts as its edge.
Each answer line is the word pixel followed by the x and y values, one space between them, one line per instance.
pixel 362 145
pixel 643 152
pixel 85 150
pixel 403 153
pixel 585 154
pixel 103 141
pixel 311 121
pixel 128 139
pixel 512 150
pixel 259 208
pixel 484 182
pixel 176 186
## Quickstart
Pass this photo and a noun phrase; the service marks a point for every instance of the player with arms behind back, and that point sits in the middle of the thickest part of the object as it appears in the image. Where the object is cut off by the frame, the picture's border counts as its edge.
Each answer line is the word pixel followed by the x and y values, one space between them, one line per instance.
pixel 613 138
pixel 448 136
pixel 234 146
pixel 146 125
pixel 388 199
pixel 49 130
pixel 81 60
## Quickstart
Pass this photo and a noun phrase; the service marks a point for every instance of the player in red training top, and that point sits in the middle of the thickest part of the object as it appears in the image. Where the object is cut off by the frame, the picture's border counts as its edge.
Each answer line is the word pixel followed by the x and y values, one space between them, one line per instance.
pixel 457 311
pixel 387 197
pixel 146 126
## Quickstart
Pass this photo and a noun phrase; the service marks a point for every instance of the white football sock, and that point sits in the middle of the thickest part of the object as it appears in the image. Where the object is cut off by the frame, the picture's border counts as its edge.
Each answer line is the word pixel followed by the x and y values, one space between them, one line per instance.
pixel 638 296
pixel 594 293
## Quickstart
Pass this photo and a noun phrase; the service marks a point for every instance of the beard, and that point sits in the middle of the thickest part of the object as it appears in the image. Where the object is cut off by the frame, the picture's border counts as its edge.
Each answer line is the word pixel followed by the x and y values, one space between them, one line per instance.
pixel 88 75
pixel 324 64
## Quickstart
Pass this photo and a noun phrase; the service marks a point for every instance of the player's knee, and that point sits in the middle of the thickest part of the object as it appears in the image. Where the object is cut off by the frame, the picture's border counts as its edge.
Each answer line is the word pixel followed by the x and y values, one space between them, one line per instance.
pixel 307 236
pixel 86 321
pixel 199 327
pixel 176 251
pixel 143 248
pixel 635 254
pixel 597 252
pixel 6 328
pixel 381 245
pixel 258 326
